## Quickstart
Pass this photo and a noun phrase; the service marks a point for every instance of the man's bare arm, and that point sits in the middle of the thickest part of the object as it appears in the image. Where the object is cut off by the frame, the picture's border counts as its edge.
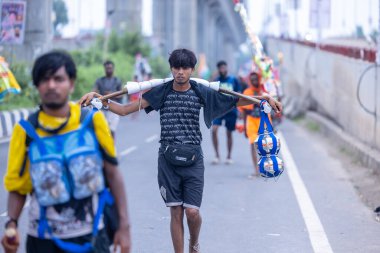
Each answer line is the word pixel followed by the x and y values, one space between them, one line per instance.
pixel 16 203
pixel 277 106
pixel 116 184
pixel 125 109
pixel 120 109
pixel 122 237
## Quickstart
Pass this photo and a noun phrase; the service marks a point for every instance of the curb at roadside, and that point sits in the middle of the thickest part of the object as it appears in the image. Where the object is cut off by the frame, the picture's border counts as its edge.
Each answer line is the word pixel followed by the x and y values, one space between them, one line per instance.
pixel 369 157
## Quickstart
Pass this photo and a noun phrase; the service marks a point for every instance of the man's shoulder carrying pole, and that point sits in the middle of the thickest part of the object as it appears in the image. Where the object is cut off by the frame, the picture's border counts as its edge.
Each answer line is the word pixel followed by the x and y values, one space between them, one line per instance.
pixel 135 87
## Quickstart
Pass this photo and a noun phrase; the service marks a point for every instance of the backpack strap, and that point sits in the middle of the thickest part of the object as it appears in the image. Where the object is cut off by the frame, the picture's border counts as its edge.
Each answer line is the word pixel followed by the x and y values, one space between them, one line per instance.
pixel 86 116
pixel 33 120
pixel 86 122
pixel 105 198
pixel 31 134
pixel 29 129
pixel 84 111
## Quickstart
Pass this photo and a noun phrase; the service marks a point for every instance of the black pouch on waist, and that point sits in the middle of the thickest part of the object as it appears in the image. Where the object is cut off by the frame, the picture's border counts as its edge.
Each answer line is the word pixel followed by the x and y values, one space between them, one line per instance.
pixel 182 155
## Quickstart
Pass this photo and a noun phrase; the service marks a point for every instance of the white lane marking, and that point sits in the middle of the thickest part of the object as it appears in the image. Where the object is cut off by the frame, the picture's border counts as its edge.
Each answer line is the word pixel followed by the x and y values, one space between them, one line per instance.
pixel 317 235
pixel 151 138
pixel 5 140
pixel 128 150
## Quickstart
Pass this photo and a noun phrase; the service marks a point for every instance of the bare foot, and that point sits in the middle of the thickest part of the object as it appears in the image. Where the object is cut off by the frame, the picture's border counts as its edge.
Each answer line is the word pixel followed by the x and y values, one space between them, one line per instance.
pixel 195 248
pixel 253 176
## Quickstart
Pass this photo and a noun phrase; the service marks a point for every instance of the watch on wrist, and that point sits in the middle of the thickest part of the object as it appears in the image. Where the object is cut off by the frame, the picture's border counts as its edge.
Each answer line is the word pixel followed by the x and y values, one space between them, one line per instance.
pixel 9 221
pixel 106 107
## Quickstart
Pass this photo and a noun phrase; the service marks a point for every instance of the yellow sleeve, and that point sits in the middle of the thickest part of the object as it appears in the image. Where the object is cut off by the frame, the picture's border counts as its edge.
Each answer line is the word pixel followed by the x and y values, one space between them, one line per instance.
pixel 16 155
pixel 103 134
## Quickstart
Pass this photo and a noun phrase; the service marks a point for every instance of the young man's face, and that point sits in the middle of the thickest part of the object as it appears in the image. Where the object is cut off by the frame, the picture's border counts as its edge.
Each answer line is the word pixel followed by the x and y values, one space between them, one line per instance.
pixel 54 90
pixel 223 70
pixel 182 75
pixel 108 69
pixel 254 80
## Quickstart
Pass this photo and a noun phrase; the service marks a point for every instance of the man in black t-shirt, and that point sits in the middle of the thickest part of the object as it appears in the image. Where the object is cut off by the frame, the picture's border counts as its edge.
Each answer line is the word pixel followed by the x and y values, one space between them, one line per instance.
pixel 179 102
pixel 108 84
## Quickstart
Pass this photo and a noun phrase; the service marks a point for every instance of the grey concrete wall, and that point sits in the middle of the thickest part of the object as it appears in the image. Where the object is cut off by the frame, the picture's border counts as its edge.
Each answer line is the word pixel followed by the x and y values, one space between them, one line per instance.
pixel 328 83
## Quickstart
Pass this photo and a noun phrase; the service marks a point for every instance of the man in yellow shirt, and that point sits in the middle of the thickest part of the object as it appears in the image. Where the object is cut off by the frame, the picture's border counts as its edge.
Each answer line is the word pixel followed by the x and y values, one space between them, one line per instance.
pixel 54 76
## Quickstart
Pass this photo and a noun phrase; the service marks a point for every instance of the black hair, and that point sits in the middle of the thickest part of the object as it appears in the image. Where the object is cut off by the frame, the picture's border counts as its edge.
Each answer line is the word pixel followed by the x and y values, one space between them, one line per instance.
pixel 47 64
pixel 182 58
pixel 221 63
pixel 108 62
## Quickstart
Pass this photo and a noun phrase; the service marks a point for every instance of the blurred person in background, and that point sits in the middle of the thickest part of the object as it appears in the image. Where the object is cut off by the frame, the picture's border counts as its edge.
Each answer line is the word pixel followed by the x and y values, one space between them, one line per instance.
pixel 251 116
pixel 228 82
pixel 106 85
pixel 142 72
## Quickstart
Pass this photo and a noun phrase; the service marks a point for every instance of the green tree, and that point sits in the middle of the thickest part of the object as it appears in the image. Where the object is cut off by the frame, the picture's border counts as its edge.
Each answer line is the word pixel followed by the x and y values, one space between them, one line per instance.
pixel 113 43
pixel 132 43
pixel 121 50
pixel 60 12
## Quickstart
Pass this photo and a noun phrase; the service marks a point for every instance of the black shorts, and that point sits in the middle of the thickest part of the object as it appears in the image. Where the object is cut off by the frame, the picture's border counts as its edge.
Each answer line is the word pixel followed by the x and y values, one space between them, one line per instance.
pixel 181 186
pixel 37 245
pixel 229 119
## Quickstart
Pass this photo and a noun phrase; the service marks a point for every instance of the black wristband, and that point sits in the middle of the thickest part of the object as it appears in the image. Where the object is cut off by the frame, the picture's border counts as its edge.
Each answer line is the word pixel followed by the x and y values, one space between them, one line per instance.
pixel 9 221
pixel 107 107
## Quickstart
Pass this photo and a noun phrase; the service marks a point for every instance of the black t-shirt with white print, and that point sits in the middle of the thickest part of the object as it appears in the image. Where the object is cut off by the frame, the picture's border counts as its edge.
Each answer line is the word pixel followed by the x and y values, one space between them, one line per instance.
pixel 179 117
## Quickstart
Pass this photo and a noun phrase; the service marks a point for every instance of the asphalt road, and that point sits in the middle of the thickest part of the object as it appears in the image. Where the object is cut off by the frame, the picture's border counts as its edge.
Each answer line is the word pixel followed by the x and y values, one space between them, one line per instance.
pixel 312 207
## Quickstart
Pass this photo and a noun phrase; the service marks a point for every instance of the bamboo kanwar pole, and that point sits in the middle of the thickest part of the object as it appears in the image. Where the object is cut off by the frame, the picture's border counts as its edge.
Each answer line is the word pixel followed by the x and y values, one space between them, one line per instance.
pixel 114 94
pixel 222 90
pixel 234 93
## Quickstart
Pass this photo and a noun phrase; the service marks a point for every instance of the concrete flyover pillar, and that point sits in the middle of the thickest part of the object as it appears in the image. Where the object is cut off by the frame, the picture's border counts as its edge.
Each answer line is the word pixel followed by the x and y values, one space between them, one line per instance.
pixel 195 24
pixel 202 25
pixel 125 15
pixel 185 24
pixel 38 33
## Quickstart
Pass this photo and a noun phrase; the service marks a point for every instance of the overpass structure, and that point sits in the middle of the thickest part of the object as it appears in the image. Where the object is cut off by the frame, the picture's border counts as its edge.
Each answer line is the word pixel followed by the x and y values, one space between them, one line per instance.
pixel 211 27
